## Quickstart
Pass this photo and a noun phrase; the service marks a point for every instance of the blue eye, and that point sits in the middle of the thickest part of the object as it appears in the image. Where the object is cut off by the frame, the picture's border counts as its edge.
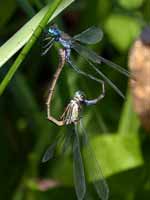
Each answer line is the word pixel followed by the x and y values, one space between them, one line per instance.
pixel 54 31
pixel 51 31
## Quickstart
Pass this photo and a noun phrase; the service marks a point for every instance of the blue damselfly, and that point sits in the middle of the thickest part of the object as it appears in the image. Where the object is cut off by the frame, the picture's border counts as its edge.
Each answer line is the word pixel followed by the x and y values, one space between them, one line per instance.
pixel 91 35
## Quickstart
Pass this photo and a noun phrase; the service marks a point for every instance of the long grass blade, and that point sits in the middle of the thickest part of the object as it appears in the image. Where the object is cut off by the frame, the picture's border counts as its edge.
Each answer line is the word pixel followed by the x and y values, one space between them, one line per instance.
pixel 52 8
pixel 21 37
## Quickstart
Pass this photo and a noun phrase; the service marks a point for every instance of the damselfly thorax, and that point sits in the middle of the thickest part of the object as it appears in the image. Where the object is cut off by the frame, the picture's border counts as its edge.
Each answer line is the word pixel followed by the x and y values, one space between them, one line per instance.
pixel 73 111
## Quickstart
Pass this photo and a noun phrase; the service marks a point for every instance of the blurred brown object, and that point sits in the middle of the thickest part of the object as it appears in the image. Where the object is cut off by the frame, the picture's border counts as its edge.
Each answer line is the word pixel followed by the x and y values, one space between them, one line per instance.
pixel 139 64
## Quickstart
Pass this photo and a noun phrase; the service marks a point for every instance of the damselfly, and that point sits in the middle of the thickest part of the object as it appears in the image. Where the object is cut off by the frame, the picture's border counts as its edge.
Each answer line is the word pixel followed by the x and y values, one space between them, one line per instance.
pixel 72 116
pixel 90 36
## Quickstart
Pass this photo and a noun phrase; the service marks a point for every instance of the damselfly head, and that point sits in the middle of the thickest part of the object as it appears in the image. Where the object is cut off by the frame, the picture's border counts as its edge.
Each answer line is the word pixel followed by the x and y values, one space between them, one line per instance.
pixel 54 31
pixel 80 95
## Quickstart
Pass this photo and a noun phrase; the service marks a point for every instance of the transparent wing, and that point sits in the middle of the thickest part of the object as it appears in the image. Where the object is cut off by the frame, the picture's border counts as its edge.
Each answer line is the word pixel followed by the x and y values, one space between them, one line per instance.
pixel 67 141
pixel 107 80
pixel 78 169
pixel 70 61
pixel 93 168
pixel 91 35
pixel 51 149
pixel 88 54
pixel 74 66
pixel 50 152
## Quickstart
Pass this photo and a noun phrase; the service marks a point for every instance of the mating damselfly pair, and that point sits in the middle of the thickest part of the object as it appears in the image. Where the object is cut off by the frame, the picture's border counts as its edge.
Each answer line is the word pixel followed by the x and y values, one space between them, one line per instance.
pixel 72 116
pixel 72 113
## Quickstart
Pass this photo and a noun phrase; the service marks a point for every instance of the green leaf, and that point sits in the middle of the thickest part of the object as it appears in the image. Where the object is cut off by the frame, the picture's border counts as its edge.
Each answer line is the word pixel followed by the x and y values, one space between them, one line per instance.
pixel 117 153
pixel 26 6
pixel 21 37
pixel 128 4
pixel 52 8
pixel 122 30
pixel 129 122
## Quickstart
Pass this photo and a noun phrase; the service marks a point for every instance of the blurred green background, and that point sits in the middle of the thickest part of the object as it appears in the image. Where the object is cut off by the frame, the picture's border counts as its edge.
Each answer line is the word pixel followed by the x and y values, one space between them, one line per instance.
pixel 120 143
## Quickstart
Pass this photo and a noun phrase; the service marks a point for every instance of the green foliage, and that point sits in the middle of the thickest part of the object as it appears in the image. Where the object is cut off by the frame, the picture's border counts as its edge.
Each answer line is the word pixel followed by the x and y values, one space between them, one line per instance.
pixel 4 14
pixel 120 145
pixel 130 4
pixel 122 30
pixel 48 14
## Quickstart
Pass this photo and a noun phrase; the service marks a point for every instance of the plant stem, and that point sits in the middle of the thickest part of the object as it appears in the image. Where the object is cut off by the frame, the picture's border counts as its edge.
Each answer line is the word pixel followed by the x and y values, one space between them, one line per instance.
pixel 28 46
